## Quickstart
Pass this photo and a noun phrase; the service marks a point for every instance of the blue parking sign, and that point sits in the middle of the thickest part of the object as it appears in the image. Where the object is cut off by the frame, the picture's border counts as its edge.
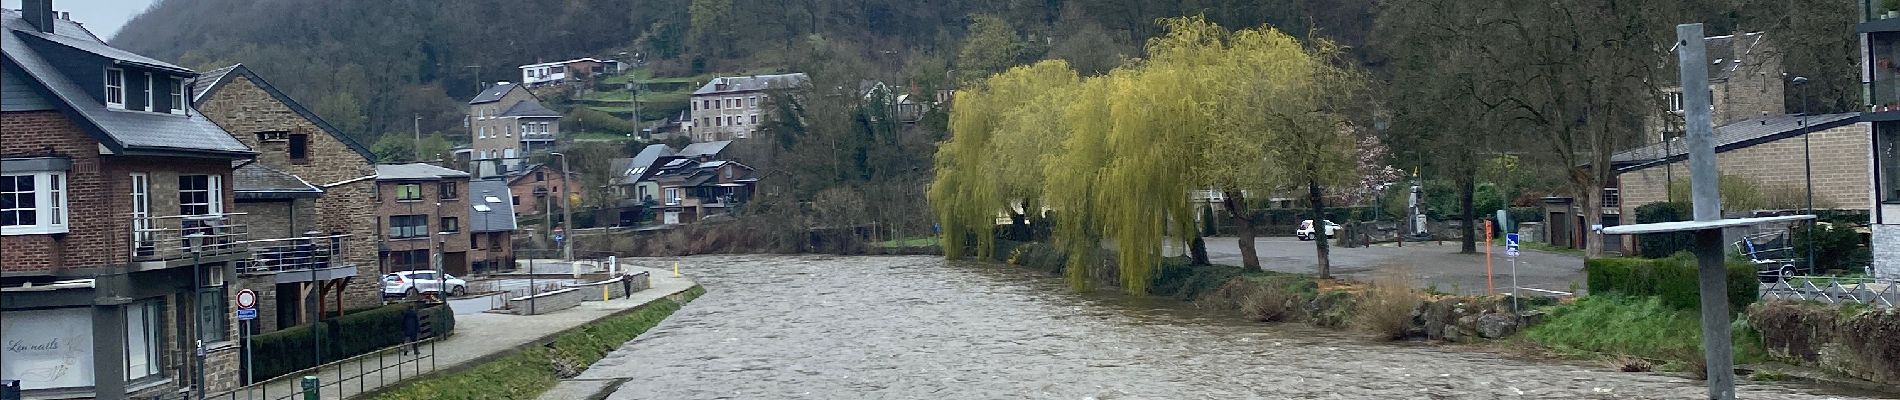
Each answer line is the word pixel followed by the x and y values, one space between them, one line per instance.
pixel 1510 245
pixel 246 314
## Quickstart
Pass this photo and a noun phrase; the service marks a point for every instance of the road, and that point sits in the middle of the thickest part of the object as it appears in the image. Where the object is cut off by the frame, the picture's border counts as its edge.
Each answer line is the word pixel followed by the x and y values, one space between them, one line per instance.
pixel 821 327
pixel 1436 266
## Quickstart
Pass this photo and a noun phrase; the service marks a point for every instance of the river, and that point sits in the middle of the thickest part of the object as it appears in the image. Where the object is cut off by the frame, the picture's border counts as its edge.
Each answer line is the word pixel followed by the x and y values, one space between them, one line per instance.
pixel 816 327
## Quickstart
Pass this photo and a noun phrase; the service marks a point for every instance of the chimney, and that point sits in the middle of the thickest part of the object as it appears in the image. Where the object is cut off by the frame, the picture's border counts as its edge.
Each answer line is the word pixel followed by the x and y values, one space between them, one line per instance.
pixel 39 13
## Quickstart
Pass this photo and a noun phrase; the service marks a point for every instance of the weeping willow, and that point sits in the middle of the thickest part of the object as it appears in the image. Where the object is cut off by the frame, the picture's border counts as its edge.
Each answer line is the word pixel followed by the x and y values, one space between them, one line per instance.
pixel 1115 156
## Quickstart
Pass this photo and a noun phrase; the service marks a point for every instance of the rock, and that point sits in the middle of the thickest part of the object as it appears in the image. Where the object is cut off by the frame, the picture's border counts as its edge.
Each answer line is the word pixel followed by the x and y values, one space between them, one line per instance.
pixel 1493 326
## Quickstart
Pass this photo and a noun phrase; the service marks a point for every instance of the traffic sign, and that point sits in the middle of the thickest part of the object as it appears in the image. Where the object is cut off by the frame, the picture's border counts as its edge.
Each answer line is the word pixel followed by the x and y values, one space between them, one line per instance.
pixel 246 314
pixel 246 299
pixel 1510 245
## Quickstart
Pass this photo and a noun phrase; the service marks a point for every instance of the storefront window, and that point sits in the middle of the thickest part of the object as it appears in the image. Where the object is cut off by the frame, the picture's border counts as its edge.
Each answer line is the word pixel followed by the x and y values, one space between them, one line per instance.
pixel 47 349
pixel 141 339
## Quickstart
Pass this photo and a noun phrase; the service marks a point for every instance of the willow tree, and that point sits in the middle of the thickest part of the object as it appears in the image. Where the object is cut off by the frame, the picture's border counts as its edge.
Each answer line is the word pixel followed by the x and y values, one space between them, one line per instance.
pixel 964 199
pixel 1029 128
pixel 1001 131
pixel 1075 175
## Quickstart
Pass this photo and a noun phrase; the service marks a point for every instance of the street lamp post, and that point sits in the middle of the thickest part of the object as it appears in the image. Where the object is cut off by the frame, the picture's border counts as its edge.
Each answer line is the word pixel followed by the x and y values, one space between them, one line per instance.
pixel 1807 165
pixel 567 212
pixel 196 242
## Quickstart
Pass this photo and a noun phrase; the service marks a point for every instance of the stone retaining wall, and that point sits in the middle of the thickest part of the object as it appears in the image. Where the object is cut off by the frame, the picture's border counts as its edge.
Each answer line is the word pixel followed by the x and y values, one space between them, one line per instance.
pixel 547 302
pixel 615 288
pixel 1860 343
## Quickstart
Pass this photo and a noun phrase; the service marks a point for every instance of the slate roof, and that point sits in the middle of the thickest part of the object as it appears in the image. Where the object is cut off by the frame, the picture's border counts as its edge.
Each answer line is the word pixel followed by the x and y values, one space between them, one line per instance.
pixel 704 149
pixel 641 165
pixel 529 108
pixel 1733 136
pixel 1721 54
pixel 501 215
pixel 123 132
pixel 208 83
pixel 252 180
pixel 410 171
pixel 753 83
pixel 493 93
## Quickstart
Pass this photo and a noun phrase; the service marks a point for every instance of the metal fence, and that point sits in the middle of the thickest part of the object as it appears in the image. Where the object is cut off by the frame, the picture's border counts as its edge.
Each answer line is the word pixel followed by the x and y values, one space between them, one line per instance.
pixel 1835 290
pixel 347 377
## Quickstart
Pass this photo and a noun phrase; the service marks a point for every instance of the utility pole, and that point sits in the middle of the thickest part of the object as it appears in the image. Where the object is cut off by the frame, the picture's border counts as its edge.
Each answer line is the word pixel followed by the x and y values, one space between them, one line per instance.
pixel 418 128
pixel 1807 165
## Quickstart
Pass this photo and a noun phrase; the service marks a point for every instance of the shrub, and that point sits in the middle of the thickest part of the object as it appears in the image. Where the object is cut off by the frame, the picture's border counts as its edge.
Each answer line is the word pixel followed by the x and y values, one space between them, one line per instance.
pixel 1659 245
pixel 1673 279
pixel 1836 246
pixel 1387 305
pixel 292 349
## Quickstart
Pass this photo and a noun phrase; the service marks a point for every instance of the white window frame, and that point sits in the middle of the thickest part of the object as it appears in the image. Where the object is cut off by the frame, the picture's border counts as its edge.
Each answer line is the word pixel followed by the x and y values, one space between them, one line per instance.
pixel 508 153
pixel 178 96
pixel 49 204
pixel 120 88
pixel 151 86
pixel 673 196
pixel 143 322
pixel 141 210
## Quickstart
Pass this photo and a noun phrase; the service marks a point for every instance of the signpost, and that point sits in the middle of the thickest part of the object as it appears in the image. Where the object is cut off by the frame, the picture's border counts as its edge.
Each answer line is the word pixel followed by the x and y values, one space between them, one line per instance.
pixel 1510 251
pixel 246 311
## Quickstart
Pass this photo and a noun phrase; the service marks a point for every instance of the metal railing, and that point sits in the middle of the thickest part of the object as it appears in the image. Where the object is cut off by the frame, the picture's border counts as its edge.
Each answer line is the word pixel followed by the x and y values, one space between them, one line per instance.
pixel 1835 290
pixel 294 254
pixel 538 137
pixel 169 237
pixel 352 376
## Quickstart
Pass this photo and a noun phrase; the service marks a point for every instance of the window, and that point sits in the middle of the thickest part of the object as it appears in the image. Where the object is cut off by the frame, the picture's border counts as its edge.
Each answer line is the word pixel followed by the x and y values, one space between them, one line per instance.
pixel 141 214
pixel 753 101
pixel 142 345
pixel 410 261
pixel 508 153
pixel 1887 156
pixel 199 195
pixel 755 119
pixel 448 190
pixel 1675 101
pixel 151 91
pixel 178 96
pixel 1612 198
pixel 409 192
pixel 115 88
pixel 672 196
pixel 33 203
pixel 408 226
pixel 451 224
pixel 540 176
pixel 213 325
pixel 299 147
pixel 514 200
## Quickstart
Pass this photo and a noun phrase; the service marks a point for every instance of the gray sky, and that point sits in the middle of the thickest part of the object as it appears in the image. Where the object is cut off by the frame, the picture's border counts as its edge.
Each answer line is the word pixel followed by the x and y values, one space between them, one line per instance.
pixel 102 17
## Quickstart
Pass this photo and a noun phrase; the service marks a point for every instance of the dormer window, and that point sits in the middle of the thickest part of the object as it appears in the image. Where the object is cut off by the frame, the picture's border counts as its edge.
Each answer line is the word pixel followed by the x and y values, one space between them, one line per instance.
pixel 115 88
pixel 178 96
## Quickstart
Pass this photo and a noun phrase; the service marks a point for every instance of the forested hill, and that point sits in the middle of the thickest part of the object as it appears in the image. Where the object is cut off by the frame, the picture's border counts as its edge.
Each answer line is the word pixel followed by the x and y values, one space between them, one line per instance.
pixel 369 65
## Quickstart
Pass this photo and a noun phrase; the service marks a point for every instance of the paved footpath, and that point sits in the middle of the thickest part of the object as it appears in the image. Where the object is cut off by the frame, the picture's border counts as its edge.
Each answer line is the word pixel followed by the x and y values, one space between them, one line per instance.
pixel 1432 264
pixel 477 336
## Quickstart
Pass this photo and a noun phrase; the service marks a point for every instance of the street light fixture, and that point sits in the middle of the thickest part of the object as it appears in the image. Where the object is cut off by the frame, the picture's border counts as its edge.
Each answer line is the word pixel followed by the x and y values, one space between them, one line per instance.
pixel 196 243
pixel 567 212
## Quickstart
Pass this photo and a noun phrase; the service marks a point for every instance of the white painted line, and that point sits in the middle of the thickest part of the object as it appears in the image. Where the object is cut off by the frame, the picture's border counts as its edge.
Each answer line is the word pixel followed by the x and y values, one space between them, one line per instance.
pixel 1549 291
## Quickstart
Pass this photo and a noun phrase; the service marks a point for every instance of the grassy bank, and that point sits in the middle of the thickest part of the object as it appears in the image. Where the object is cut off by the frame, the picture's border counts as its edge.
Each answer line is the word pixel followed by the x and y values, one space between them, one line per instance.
pixel 534 369
pixel 1638 332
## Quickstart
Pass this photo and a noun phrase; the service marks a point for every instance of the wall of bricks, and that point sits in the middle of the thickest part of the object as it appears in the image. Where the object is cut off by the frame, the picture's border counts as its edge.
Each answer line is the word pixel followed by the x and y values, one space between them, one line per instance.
pixel 522 189
pixel 387 206
pixel 245 109
pixel 277 218
pixel 504 133
pixel 98 194
pixel 1840 162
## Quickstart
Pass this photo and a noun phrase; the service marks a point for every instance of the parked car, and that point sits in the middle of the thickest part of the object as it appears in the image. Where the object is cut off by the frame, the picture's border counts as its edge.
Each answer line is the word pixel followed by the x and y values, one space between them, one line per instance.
pixel 411 283
pixel 1306 230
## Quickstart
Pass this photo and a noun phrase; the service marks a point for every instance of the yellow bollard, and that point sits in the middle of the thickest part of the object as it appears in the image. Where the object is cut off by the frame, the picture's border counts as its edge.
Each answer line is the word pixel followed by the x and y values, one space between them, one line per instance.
pixel 676 269
pixel 604 294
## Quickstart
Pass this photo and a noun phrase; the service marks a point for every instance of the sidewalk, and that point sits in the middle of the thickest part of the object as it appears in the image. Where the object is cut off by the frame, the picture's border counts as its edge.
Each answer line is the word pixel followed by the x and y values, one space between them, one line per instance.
pixel 476 336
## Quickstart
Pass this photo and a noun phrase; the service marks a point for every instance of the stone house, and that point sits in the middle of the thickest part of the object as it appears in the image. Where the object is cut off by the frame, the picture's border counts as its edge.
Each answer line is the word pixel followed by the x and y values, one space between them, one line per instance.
pixel 1767 151
pixel 728 108
pixel 507 123
pixel 1745 82
pixel 113 219
pixel 1880 40
pixel 531 189
pixel 421 211
pixel 307 197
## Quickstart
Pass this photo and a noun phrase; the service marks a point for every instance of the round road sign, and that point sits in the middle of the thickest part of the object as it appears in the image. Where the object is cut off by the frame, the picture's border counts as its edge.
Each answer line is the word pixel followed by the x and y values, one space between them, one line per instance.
pixel 246 299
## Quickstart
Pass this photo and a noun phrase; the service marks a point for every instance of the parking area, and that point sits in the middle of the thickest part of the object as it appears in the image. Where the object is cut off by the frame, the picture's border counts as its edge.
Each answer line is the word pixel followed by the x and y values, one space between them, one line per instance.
pixel 1437 266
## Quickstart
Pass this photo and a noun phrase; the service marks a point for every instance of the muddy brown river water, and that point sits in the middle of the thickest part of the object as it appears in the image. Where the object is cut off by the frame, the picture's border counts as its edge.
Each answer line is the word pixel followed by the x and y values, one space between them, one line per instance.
pixel 814 327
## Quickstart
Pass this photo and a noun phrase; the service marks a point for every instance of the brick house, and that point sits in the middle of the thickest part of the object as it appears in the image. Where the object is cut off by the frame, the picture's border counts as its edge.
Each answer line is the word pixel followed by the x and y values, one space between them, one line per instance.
pixel 307 198
pixel 531 189
pixel 1768 151
pixel 491 227
pixel 728 108
pixel 420 214
pixel 1880 38
pixel 113 219
pixel 507 123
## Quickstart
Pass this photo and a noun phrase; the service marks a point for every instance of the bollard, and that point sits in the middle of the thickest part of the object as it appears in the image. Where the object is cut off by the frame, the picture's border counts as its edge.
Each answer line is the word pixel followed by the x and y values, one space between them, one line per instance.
pixel 676 269
pixel 310 387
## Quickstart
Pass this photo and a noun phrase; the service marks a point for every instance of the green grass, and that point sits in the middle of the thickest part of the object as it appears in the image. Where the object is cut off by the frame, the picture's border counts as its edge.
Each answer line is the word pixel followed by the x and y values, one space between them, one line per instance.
pixel 530 371
pixel 1641 327
pixel 1550 248
pixel 599 136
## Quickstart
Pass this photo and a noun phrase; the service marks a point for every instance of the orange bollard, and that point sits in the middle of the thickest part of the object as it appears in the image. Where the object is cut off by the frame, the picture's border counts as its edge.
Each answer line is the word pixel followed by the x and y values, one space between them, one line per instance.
pixel 1489 288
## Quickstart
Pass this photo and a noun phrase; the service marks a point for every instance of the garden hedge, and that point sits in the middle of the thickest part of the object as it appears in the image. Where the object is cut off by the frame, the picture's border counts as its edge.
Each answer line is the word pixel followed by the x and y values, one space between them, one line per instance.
pixel 292 349
pixel 1673 279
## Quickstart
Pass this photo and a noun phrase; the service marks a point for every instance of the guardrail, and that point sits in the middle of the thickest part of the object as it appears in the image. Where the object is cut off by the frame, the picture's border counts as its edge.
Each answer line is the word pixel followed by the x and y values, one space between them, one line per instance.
pixel 170 237
pixel 1835 290
pixel 404 361
pixel 294 254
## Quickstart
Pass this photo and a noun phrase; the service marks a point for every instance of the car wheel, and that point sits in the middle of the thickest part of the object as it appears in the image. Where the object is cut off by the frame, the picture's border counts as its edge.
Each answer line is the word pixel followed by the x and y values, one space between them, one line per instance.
pixel 411 293
pixel 1786 273
pixel 458 291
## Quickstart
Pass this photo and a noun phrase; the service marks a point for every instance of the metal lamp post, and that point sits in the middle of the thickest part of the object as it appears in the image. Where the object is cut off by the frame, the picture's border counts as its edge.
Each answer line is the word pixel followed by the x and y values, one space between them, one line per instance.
pixel 567 212
pixel 1807 165
pixel 196 242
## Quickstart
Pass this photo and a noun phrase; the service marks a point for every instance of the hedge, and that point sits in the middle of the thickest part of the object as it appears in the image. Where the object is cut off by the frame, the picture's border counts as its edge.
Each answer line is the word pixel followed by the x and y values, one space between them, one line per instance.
pixel 291 349
pixel 1659 245
pixel 1673 279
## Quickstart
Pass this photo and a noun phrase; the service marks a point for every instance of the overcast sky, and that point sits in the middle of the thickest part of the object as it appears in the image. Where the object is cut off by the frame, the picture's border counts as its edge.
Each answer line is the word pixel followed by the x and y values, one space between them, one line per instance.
pixel 102 17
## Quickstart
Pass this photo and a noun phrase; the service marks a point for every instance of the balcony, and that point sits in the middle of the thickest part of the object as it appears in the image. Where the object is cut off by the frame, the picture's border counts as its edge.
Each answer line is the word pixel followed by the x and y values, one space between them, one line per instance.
pixel 1876 17
pixel 270 256
pixel 168 241
pixel 537 137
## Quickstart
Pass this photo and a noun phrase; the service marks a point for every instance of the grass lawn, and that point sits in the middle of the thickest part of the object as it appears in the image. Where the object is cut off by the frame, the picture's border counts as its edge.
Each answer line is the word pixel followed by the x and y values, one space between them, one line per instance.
pixel 911 242
pixel 1644 328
